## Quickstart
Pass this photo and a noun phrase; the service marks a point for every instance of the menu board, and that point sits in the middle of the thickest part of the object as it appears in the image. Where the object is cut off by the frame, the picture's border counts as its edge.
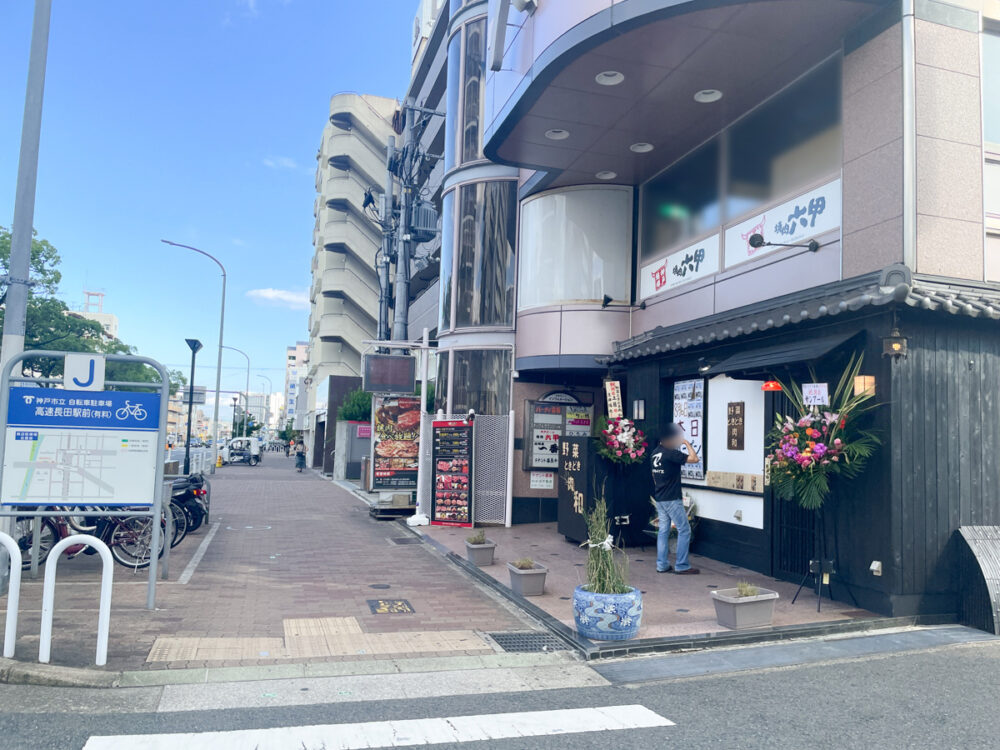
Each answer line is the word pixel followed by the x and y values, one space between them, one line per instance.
pixel 452 479
pixel 689 414
pixel 395 442
pixel 546 423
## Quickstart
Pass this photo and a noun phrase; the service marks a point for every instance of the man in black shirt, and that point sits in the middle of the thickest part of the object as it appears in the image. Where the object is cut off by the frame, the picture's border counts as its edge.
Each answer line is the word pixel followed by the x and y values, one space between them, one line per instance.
pixel 666 462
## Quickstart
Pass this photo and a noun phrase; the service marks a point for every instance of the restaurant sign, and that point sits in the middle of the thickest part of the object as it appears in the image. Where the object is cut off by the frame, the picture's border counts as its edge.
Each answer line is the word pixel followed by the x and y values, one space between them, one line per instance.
pixel 795 221
pixel 681 267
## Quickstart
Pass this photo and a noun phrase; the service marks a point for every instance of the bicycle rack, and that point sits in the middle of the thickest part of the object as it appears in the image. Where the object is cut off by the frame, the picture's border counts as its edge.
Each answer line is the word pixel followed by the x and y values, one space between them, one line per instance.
pixel 13 593
pixel 49 595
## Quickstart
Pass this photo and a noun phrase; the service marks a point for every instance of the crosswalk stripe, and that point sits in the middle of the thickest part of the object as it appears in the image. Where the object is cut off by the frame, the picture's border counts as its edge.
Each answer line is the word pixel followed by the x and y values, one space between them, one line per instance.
pixel 378 734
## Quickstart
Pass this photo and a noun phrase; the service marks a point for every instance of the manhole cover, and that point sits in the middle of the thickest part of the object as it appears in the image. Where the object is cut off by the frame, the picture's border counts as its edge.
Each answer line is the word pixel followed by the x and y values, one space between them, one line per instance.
pixel 406 540
pixel 528 642
pixel 390 607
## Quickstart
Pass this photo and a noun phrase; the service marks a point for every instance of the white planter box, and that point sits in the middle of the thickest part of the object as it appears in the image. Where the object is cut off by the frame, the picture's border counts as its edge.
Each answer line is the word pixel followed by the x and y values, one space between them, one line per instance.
pixel 739 612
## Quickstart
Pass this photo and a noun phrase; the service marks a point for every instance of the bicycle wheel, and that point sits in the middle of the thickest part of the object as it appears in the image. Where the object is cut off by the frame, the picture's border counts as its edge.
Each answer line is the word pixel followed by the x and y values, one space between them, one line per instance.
pixel 180 524
pixel 83 524
pixel 24 528
pixel 132 541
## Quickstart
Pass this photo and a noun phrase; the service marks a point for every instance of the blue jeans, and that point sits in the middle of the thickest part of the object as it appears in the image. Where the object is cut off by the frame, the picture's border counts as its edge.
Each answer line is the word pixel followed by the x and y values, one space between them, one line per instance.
pixel 667 511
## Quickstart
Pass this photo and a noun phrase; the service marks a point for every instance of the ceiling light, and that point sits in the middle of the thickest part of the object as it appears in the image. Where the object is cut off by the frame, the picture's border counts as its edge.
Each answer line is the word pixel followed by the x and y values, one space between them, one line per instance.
pixel 557 134
pixel 641 148
pixel 609 78
pixel 707 96
pixel 606 174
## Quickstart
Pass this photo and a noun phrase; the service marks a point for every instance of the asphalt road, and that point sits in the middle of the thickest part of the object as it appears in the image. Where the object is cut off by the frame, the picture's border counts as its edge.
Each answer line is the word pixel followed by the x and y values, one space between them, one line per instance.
pixel 941 698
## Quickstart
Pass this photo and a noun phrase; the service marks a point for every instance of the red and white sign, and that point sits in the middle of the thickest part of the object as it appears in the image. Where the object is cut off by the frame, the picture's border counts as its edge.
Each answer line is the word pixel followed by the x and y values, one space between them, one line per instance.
pixel 613 395
pixel 681 267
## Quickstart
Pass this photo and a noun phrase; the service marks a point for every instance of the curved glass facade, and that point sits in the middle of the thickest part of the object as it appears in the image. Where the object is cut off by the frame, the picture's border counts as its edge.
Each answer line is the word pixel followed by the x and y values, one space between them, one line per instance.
pixel 479 380
pixel 575 246
pixel 447 260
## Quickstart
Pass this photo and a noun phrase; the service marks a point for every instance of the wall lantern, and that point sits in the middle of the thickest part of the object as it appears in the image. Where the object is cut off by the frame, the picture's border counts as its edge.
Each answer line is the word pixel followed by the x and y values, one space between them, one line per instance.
pixel 771 385
pixel 864 385
pixel 894 345
pixel 638 410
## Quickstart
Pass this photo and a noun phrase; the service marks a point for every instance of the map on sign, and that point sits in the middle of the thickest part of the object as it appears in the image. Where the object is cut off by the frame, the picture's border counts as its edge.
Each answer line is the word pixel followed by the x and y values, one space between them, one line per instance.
pixel 80 447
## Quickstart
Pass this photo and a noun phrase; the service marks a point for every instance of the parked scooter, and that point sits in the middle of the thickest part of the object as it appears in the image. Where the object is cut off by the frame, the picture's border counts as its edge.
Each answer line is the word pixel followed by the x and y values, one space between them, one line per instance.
pixel 191 494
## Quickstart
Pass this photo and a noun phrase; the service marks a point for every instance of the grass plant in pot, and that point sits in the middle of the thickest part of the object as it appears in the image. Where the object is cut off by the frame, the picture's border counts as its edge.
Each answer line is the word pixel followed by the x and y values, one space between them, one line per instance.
pixel 479 550
pixel 527 578
pixel 606 608
pixel 746 606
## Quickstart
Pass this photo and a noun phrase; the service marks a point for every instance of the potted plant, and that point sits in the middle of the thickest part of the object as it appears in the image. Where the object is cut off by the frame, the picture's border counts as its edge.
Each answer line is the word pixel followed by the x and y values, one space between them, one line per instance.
pixel 746 606
pixel 606 608
pixel 527 578
pixel 479 549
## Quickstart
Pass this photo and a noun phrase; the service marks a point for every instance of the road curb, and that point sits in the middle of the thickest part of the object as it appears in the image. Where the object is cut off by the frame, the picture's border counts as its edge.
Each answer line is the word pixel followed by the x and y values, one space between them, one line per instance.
pixel 14 672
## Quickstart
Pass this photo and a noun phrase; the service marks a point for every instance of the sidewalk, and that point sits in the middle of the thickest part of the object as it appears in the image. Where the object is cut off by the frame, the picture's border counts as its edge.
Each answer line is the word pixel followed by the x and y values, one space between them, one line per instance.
pixel 672 605
pixel 293 570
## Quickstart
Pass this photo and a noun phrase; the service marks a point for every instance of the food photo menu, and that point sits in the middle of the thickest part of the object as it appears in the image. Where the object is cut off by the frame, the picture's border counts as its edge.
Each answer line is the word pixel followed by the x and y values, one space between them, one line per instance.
pixel 452 473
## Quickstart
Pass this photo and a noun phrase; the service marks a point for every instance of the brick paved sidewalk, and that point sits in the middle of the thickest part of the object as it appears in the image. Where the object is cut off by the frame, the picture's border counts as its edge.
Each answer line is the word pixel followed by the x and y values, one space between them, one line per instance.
pixel 287 577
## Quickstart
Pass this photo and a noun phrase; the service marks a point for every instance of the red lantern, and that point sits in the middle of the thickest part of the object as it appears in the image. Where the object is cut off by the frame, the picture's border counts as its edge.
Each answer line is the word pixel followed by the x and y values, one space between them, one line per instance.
pixel 771 385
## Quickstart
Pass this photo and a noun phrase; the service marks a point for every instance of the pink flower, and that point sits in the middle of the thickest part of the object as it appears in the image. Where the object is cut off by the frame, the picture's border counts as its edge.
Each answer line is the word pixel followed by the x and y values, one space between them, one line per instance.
pixel 632 454
pixel 618 453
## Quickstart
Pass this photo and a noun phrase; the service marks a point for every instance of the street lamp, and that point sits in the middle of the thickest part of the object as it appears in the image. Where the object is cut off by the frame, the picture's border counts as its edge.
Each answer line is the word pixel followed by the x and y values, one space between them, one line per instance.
pixel 232 432
pixel 195 347
pixel 218 367
pixel 267 402
pixel 233 348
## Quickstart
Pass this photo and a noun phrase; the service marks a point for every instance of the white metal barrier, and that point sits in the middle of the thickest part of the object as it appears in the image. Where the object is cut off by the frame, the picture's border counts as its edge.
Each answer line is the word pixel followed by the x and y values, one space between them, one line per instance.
pixel 13 593
pixel 49 595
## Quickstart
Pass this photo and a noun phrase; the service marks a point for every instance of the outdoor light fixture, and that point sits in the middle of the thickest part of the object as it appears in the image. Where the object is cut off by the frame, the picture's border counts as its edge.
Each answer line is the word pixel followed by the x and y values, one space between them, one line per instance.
pixel 608 299
pixel 557 134
pixel 606 174
pixel 864 385
pixel 641 148
pixel 757 240
pixel 771 385
pixel 707 96
pixel 894 345
pixel 609 77
pixel 639 409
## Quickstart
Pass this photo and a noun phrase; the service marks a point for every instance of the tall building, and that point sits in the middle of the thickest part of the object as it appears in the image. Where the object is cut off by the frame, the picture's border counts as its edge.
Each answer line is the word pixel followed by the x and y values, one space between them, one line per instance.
pixel 296 360
pixel 690 198
pixel 93 309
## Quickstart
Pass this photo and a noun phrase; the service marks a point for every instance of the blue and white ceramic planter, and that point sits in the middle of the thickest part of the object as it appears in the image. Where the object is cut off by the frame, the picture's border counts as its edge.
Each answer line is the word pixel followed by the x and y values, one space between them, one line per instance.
pixel 607 617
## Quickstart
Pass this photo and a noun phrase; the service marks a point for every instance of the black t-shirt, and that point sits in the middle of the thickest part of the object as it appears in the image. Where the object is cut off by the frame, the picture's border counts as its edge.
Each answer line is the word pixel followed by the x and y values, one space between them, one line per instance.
pixel 666 468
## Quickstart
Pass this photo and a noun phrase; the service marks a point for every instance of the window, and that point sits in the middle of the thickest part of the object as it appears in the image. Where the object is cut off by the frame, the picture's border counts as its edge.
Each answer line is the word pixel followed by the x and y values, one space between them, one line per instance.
pixel 481 381
pixel 484 271
pixel 441 387
pixel 447 260
pixel 990 85
pixel 575 246
pixel 791 140
pixel 474 75
pixel 451 116
pixel 682 202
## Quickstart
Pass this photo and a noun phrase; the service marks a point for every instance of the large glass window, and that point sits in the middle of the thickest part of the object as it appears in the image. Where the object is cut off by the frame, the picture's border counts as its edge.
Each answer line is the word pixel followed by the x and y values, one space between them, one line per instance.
pixel 681 203
pixel 452 115
pixel 441 386
pixel 990 86
pixel 484 275
pixel 481 381
pixel 473 80
pixel 447 260
pixel 575 247
pixel 792 139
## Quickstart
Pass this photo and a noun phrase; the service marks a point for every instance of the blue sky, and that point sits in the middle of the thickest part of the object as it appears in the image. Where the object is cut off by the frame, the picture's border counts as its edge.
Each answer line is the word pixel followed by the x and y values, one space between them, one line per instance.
pixel 196 121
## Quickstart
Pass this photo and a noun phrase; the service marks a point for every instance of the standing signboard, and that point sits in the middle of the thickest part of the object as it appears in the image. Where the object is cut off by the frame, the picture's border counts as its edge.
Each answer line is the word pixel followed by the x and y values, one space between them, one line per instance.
pixel 576 496
pixel 451 503
pixel 553 417
pixel 80 447
pixel 689 414
pixel 395 442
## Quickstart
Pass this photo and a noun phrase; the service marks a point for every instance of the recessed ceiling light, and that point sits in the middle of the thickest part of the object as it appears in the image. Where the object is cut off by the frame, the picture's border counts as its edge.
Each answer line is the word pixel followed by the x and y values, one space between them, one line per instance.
pixel 557 134
pixel 606 174
pixel 641 148
pixel 609 78
pixel 707 96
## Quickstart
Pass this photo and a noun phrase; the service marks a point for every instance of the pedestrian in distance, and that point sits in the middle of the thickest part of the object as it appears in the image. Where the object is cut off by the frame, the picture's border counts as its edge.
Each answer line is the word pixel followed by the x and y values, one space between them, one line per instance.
pixel 666 462
pixel 300 456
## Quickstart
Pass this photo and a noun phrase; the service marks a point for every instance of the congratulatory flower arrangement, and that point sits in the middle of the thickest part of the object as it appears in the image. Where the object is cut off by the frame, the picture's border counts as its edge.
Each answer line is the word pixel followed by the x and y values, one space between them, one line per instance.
pixel 621 442
pixel 810 446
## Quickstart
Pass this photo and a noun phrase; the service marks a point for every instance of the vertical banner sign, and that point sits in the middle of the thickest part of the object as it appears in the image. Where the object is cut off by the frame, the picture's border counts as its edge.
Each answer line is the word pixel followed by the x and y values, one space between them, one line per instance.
pixel 613 394
pixel 735 425
pixel 74 447
pixel 689 414
pixel 575 494
pixel 395 442
pixel 451 503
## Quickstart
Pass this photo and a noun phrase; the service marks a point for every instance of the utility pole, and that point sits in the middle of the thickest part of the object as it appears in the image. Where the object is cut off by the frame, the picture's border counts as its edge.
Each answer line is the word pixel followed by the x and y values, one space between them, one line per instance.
pixel 401 307
pixel 387 242
pixel 19 265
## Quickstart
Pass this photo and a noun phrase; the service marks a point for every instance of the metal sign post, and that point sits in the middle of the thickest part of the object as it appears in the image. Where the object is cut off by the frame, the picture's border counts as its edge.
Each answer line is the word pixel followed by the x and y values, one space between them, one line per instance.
pixel 79 441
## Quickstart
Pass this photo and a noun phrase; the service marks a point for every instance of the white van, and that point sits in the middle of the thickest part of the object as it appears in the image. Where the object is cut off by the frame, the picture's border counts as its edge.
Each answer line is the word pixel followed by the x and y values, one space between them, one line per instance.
pixel 241 450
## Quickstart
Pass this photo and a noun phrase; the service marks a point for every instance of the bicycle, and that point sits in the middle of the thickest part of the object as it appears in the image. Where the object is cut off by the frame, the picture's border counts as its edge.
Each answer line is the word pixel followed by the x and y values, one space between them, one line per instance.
pixel 133 410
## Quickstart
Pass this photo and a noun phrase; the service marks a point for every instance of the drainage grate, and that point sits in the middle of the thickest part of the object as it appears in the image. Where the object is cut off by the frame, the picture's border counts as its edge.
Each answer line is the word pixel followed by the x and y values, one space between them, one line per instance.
pixel 528 642
pixel 405 540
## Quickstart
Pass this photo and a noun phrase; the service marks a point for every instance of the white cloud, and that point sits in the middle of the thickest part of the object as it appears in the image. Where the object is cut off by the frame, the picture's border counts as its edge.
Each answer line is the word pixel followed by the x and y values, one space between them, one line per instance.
pixel 280 162
pixel 281 298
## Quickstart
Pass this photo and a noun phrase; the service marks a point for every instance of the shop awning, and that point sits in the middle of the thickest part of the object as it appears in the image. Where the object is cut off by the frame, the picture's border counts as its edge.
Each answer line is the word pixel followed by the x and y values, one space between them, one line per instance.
pixel 755 360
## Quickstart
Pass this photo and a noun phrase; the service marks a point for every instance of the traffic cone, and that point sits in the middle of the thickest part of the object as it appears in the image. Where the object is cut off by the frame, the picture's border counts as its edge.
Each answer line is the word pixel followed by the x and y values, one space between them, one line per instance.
pixel 218 462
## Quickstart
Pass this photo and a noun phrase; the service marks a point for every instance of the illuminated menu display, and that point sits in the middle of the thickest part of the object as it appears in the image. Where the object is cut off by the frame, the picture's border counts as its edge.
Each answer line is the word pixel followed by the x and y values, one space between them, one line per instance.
pixel 452 479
